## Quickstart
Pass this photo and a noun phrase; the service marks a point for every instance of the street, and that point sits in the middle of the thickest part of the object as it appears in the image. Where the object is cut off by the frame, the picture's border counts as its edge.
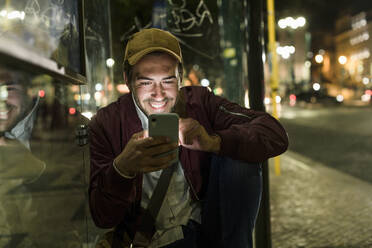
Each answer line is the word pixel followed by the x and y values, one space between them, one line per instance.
pixel 322 198
pixel 339 137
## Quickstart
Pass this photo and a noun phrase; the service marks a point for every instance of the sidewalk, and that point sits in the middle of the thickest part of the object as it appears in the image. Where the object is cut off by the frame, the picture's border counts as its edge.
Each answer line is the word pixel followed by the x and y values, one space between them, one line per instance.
pixel 314 206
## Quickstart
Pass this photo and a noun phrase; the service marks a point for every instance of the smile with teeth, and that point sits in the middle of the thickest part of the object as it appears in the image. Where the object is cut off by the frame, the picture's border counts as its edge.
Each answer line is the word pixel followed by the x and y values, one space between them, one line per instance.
pixel 4 115
pixel 156 104
pixel 4 111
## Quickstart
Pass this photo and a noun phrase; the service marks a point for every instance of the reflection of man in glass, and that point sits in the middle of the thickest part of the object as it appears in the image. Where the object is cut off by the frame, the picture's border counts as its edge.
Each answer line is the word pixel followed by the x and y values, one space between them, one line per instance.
pixel 17 116
pixel 18 167
pixel 15 103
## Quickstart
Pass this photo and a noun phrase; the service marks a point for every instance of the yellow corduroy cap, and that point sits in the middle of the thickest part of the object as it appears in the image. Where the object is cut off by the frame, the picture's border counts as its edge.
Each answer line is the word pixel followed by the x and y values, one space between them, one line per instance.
pixel 150 40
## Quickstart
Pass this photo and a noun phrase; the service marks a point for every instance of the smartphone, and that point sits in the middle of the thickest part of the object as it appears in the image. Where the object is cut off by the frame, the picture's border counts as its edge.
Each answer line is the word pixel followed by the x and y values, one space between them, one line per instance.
pixel 164 125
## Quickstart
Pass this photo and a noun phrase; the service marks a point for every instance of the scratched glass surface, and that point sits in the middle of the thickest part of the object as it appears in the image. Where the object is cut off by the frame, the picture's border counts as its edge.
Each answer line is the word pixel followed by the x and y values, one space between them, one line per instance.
pixel 211 34
pixel 49 28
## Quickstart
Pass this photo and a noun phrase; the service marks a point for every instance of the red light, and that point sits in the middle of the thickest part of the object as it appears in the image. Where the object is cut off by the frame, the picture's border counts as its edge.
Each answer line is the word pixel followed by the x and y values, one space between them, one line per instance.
pixel 292 97
pixel 72 111
pixel 41 93
pixel 369 92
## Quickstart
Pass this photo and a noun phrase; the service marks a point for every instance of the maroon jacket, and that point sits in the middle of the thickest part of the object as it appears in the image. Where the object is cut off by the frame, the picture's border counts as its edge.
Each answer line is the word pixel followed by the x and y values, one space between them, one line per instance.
pixel 245 135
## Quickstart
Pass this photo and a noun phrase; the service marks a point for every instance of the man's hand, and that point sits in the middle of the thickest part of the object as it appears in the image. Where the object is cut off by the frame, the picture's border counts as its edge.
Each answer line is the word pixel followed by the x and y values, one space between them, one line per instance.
pixel 141 154
pixel 193 136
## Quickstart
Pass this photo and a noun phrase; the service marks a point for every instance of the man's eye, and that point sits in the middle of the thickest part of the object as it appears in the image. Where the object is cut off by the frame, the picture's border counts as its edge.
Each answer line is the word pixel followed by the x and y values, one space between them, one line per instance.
pixel 145 83
pixel 169 81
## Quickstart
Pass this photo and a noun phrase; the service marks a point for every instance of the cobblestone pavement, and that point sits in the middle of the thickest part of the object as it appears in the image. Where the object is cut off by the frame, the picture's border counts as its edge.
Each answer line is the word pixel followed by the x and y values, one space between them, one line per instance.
pixel 313 206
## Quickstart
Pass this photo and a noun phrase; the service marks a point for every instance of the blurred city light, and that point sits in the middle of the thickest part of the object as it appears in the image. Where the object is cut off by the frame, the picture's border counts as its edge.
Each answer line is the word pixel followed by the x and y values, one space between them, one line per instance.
pixel 360 55
pixel 218 91
pixel 307 64
pixel 291 22
pixel 366 98
pixel 227 53
pixel 340 98
pixel 205 82
pixel 86 97
pixel 110 62
pixel 41 93
pixel 278 99
pixel 267 100
pixel 359 21
pixel 360 38
pixel 316 86
pixel 75 88
pixel 285 51
pixel 292 99
pixel 319 58
pixel 365 80
pixel 97 96
pixel 98 87
pixel 342 59
pixel 15 14
pixel 72 111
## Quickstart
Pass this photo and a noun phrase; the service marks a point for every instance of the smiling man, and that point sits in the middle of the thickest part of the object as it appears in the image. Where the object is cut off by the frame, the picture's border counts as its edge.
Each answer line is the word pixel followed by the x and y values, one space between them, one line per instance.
pixel 155 84
pixel 214 193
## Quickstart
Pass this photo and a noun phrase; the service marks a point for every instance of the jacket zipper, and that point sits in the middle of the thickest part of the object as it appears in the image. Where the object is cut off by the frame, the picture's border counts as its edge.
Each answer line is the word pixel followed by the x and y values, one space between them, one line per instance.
pixel 234 113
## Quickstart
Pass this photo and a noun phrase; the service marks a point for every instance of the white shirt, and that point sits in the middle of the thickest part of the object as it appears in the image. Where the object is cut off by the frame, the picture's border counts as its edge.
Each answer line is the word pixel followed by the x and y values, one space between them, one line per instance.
pixel 178 206
pixel 22 131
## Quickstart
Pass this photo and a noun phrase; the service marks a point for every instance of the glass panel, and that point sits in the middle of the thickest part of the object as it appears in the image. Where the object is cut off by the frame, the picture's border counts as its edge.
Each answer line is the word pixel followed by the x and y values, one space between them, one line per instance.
pixel 99 90
pixel 42 185
pixel 98 56
pixel 34 29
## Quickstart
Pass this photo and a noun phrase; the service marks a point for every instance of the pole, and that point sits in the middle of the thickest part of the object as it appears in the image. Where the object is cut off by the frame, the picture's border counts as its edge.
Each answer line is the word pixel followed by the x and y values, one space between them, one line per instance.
pixel 256 99
pixel 274 68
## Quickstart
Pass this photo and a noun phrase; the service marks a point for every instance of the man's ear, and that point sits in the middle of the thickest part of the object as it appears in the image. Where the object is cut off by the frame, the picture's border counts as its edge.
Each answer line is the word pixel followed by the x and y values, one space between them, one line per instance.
pixel 125 78
pixel 180 74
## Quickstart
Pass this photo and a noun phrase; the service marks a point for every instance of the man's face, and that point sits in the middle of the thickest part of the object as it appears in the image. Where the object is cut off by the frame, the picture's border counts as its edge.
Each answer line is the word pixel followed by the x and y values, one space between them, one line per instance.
pixel 155 83
pixel 14 102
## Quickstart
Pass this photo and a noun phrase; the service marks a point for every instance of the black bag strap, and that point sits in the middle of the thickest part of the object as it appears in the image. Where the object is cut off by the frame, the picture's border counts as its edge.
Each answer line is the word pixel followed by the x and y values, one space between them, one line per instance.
pixel 146 228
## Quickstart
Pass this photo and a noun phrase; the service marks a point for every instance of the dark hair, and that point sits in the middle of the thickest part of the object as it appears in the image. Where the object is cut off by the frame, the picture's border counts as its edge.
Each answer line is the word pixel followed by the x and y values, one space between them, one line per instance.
pixel 128 69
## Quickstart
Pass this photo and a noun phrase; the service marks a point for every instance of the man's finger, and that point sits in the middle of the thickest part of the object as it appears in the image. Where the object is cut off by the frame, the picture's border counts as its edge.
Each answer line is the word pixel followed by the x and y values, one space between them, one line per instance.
pixel 157 162
pixel 155 141
pixel 191 134
pixel 156 150
pixel 187 124
pixel 140 135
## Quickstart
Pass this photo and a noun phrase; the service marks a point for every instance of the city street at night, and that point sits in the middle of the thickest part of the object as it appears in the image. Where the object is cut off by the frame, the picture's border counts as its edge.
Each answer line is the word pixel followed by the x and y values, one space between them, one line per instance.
pixel 322 198
pixel 339 137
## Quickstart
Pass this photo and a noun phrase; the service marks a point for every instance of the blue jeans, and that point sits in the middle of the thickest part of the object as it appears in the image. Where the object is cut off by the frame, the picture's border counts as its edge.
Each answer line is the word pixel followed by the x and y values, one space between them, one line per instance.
pixel 230 208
